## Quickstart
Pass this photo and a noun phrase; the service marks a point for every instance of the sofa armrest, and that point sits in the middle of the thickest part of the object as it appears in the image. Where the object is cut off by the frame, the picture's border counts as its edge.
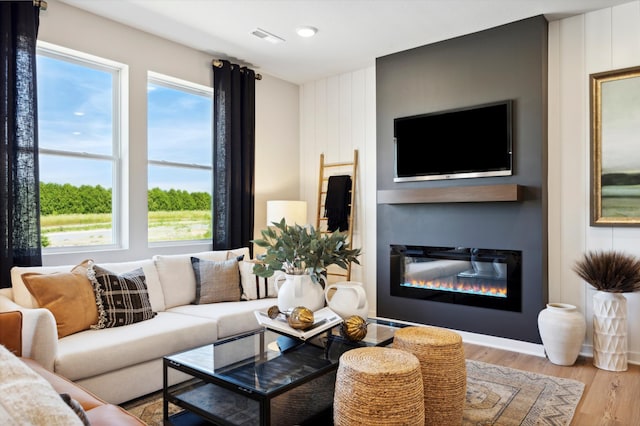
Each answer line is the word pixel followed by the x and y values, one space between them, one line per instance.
pixel 39 332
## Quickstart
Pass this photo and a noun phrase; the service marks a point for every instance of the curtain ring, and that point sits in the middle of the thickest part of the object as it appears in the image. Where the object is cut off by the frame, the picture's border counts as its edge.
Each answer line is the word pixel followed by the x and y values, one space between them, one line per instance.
pixel 42 4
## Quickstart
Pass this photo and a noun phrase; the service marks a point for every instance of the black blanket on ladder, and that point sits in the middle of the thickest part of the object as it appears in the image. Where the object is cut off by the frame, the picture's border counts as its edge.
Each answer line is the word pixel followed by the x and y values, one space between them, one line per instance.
pixel 336 204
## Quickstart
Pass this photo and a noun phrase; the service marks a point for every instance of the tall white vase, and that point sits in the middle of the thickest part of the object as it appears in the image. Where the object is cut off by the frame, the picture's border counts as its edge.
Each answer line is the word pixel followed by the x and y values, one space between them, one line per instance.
pixel 610 331
pixel 562 329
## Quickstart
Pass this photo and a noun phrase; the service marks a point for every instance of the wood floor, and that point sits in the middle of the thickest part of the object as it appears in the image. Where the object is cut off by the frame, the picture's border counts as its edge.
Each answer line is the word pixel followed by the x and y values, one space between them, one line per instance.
pixel 609 399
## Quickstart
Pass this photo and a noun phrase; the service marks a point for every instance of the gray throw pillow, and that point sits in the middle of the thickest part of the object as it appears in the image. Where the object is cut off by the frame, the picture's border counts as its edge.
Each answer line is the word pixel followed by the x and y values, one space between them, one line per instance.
pixel 216 281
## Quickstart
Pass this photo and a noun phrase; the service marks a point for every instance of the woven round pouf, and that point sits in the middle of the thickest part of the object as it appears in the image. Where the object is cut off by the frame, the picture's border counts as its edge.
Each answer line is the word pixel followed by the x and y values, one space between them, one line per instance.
pixel 378 386
pixel 444 371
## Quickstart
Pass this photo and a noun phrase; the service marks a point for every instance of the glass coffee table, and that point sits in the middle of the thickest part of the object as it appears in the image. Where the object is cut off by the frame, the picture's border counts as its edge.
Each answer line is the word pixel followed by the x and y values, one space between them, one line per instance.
pixel 262 377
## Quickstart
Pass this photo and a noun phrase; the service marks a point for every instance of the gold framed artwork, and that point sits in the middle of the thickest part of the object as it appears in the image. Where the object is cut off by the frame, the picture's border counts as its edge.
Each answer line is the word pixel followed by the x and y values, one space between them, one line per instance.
pixel 615 147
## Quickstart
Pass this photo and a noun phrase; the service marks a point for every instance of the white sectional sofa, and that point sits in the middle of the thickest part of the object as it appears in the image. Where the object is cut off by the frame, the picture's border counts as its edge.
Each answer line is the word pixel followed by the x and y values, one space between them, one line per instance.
pixel 125 362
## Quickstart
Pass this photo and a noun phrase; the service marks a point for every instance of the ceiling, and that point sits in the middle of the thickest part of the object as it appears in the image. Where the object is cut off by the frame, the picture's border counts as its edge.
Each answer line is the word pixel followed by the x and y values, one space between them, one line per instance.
pixel 351 33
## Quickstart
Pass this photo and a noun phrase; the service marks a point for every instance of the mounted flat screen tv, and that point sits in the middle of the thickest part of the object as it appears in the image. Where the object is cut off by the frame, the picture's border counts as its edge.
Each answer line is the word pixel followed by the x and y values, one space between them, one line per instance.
pixel 466 142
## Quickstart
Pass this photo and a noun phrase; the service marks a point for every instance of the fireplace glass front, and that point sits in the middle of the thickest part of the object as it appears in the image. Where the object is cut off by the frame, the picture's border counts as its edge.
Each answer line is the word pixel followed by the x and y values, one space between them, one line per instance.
pixel 467 276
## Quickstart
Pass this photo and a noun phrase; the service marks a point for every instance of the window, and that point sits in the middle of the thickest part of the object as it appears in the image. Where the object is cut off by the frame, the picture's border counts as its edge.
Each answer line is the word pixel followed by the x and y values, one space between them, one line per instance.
pixel 180 171
pixel 79 107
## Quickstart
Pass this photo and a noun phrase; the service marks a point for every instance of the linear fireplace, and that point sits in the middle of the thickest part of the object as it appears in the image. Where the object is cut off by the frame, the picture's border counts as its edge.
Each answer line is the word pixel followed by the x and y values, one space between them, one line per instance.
pixel 466 276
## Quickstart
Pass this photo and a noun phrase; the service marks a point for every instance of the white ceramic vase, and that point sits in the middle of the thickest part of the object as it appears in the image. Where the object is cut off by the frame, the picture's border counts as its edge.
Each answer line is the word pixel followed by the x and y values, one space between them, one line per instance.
pixel 562 329
pixel 347 298
pixel 610 331
pixel 298 290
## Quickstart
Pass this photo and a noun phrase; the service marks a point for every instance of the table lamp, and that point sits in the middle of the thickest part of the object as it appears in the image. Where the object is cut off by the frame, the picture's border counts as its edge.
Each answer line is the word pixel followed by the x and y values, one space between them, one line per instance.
pixel 293 212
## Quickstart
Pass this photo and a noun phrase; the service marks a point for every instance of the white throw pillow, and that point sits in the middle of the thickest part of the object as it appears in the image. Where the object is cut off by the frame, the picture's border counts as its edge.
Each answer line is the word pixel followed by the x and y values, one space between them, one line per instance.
pixel 253 286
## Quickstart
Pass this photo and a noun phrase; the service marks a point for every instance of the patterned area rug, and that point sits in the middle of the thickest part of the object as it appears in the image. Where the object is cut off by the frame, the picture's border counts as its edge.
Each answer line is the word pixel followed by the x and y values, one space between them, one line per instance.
pixel 505 396
pixel 495 396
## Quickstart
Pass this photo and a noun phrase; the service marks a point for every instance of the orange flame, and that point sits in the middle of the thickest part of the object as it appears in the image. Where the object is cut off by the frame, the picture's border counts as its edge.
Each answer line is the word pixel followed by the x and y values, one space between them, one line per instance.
pixel 471 286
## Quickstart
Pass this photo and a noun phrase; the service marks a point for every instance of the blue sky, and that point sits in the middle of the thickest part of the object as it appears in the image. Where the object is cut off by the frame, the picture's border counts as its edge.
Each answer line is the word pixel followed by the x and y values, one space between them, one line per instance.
pixel 75 110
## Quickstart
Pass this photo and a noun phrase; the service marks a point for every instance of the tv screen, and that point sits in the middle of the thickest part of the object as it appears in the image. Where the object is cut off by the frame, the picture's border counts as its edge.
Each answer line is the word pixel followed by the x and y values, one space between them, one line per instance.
pixel 461 143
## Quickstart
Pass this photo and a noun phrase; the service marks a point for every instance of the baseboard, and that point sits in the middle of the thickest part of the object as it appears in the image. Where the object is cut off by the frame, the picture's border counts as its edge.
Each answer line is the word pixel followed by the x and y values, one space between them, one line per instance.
pixel 632 357
pixel 517 345
pixel 493 341
pixel 503 343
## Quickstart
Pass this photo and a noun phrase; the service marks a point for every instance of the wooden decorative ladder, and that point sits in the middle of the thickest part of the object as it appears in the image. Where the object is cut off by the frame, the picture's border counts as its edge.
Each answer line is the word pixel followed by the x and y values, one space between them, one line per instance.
pixel 334 169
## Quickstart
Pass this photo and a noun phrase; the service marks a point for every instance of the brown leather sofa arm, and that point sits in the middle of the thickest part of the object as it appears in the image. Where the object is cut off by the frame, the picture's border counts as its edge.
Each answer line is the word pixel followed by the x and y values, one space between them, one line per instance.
pixel 98 411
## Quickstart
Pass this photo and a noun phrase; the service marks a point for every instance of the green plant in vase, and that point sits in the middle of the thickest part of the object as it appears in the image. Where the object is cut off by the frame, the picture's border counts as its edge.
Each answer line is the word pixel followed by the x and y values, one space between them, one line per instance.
pixel 300 250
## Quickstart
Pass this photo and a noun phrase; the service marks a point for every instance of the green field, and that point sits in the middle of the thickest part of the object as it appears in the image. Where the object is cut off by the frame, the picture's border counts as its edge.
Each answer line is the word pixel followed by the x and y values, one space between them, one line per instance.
pixel 89 229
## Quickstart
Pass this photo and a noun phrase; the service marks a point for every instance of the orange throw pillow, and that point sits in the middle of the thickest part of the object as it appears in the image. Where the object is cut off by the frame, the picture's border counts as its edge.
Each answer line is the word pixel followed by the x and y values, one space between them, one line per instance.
pixel 68 295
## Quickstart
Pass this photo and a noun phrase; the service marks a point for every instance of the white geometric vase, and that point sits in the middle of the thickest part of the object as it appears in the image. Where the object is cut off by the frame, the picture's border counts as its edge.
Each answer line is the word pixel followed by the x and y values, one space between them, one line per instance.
pixel 562 329
pixel 610 331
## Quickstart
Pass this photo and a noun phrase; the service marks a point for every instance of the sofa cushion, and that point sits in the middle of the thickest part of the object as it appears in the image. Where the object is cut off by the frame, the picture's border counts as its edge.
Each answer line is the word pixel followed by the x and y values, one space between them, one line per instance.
pixel 253 286
pixel 123 299
pixel 216 281
pixel 68 295
pixel 231 317
pixel 94 352
pixel 176 274
pixel 28 399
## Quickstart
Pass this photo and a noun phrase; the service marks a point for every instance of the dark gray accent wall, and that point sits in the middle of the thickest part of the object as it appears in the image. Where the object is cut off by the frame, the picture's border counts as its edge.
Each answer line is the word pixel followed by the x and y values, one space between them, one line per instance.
pixel 506 62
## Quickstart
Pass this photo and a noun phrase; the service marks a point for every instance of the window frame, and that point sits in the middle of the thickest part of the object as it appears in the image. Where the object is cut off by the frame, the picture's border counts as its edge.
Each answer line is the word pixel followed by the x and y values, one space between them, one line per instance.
pixel 175 83
pixel 119 143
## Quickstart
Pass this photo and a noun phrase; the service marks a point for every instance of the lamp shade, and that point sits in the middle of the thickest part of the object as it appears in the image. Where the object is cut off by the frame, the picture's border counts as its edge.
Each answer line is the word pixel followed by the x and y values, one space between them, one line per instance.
pixel 293 212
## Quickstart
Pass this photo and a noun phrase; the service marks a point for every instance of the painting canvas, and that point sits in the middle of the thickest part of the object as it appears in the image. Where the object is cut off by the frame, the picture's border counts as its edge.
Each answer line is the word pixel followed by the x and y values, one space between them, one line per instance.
pixel 616 147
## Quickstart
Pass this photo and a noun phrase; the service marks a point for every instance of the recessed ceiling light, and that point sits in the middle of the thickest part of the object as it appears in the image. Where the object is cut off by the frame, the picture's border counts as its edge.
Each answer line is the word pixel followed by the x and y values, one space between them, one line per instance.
pixel 306 31
pixel 266 35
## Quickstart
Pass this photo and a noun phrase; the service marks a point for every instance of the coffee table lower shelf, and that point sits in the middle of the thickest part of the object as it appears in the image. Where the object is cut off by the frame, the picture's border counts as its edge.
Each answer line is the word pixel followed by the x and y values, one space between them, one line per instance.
pixel 210 404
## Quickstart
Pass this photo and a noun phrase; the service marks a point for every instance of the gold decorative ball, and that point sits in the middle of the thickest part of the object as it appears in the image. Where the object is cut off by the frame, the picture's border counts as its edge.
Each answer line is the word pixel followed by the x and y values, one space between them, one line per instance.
pixel 354 328
pixel 300 318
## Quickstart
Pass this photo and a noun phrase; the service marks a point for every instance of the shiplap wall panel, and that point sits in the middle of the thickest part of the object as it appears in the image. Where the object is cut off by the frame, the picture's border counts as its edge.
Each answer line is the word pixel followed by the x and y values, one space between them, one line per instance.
pixel 625 35
pixel 368 169
pixel 599 34
pixel 598 41
pixel 575 127
pixel 338 116
pixel 308 134
pixel 554 155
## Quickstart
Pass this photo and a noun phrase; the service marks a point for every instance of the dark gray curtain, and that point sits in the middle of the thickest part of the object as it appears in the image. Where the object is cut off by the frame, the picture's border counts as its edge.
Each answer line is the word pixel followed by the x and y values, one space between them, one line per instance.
pixel 234 156
pixel 19 192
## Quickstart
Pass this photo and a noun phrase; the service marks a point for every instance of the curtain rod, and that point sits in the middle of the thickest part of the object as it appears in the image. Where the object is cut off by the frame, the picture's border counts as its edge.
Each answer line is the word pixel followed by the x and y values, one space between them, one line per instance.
pixel 42 4
pixel 218 64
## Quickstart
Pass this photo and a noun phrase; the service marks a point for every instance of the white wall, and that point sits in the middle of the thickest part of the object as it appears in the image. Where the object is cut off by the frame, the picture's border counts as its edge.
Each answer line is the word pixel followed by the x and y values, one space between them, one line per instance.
pixel 277 119
pixel 337 115
pixel 603 40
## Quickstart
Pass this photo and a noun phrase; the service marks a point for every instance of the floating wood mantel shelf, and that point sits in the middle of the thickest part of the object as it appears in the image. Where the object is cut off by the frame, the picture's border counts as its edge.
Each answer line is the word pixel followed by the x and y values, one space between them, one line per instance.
pixel 453 194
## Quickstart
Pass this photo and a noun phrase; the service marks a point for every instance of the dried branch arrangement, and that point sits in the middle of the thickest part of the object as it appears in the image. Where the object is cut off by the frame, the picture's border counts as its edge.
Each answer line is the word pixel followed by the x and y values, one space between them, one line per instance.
pixel 610 271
